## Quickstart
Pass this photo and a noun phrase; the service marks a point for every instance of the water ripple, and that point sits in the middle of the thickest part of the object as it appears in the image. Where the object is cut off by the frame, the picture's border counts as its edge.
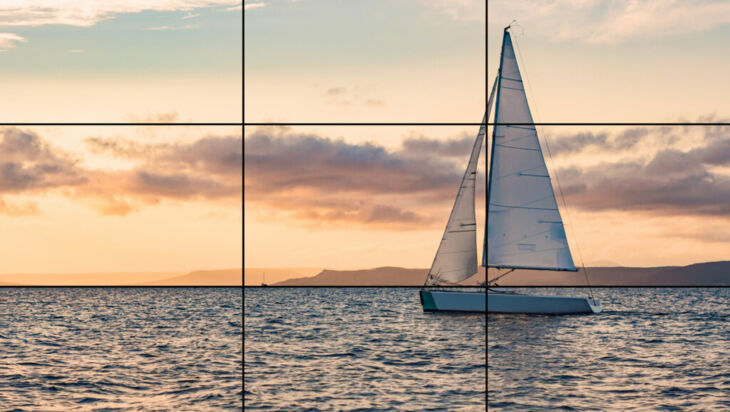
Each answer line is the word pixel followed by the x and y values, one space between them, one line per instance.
pixel 120 349
pixel 655 349
pixel 359 349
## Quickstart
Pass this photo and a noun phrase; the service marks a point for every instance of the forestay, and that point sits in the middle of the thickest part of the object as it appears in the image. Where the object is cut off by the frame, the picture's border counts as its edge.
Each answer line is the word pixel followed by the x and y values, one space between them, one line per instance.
pixel 524 228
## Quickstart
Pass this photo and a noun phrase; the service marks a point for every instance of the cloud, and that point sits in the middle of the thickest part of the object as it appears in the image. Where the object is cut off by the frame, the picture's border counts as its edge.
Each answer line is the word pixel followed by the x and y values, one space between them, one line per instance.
pixel 76 51
pixel 326 181
pixel 342 96
pixel 624 140
pixel 282 162
pixel 248 6
pixel 208 169
pixel 10 41
pixel 656 171
pixel 85 13
pixel 462 10
pixel 185 27
pixel 28 164
pixel 629 140
pixel 671 182
pixel 164 117
pixel 179 185
pixel 609 22
pixel 14 210
pixel 190 16
pixel 374 102
pixel 335 91
pixel 460 147
pixel 218 155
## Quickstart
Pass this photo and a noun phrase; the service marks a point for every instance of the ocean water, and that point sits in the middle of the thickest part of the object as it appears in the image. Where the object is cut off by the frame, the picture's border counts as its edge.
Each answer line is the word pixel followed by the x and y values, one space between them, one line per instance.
pixel 342 349
pixel 64 349
pixel 651 349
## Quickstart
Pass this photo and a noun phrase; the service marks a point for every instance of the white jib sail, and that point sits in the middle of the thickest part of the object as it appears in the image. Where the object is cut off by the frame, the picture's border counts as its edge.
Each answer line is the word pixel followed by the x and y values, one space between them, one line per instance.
pixel 525 229
pixel 456 257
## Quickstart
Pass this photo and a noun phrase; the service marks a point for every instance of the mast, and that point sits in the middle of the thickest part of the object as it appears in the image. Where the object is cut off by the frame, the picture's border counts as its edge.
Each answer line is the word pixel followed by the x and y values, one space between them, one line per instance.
pixel 497 86
pixel 486 164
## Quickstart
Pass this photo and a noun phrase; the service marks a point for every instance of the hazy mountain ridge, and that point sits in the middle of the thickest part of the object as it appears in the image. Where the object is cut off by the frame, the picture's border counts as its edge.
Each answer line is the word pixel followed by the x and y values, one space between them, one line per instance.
pixel 698 274
pixel 255 276
pixel 220 277
pixel 382 276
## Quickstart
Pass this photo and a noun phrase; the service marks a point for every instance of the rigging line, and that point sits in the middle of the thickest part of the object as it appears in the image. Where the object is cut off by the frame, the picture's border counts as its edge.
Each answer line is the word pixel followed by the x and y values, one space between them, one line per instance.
pixel 557 178
pixel 501 276
pixel 522 207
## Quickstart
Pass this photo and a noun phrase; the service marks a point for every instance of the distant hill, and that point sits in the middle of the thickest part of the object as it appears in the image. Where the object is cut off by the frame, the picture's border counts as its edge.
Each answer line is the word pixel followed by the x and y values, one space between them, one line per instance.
pixel 254 276
pixel 383 276
pixel 698 274
pixel 223 277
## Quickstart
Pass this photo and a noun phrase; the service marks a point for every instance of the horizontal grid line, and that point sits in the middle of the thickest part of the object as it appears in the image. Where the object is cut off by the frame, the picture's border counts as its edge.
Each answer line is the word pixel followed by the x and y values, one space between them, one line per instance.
pixel 495 124
pixel 119 124
pixel 364 124
pixel 614 124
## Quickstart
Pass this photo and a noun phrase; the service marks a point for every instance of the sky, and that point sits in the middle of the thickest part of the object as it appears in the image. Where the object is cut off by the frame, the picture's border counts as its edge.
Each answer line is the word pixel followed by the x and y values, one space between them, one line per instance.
pixel 367 196
pixel 83 199
pixel 350 61
pixel 121 61
pixel 120 199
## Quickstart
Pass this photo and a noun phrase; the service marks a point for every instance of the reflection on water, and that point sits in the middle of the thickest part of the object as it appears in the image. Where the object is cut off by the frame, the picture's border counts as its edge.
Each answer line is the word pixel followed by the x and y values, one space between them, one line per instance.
pixel 122 348
pixel 369 348
pixel 649 349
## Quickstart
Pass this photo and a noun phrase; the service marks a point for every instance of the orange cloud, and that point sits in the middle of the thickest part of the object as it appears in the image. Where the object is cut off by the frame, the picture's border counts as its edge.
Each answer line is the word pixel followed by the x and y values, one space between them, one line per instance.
pixel 9 209
pixel 209 169
pixel 316 180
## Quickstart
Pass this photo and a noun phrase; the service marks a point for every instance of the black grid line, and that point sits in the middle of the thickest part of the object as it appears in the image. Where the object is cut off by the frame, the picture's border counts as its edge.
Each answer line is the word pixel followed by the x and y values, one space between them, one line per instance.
pixel 494 124
pixel 121 124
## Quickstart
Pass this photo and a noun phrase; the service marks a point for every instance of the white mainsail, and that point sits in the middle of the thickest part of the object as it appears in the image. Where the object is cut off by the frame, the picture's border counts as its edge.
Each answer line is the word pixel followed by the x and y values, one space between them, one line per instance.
pixel 524 227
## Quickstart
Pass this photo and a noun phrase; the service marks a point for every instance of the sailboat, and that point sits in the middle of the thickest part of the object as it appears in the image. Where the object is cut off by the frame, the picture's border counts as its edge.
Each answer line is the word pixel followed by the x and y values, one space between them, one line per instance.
pixel 523 230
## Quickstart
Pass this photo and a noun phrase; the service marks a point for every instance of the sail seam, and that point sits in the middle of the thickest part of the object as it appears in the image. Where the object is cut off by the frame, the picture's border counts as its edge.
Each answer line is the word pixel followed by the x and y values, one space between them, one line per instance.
pixel 523 207
pixel 516 147
pixel 533 251
pixel 514 88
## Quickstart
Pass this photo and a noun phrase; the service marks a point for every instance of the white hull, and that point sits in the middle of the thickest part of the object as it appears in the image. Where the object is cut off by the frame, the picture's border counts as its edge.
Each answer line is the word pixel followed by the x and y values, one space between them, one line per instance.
pixel 453 301
pixel 548 305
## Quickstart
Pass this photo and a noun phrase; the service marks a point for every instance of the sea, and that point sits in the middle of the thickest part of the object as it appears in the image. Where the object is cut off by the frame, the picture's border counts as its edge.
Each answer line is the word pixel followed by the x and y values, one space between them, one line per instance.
pixel 650 349
pixel 365 349
pixel 121 349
